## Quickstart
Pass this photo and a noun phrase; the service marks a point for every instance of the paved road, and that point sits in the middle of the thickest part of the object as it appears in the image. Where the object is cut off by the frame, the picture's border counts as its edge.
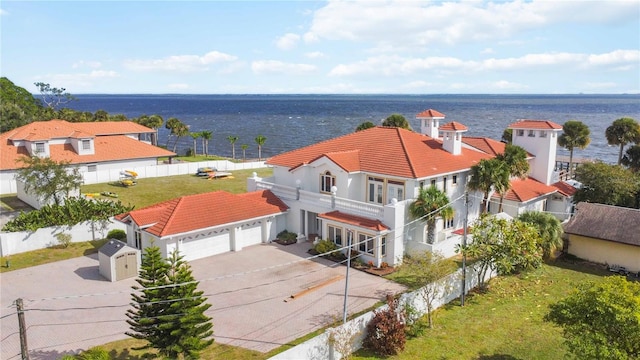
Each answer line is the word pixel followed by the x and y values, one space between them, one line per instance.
pixel 70 307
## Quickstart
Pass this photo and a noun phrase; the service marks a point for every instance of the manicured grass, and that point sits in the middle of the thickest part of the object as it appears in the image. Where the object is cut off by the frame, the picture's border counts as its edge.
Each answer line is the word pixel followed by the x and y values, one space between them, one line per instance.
pixel 48 255
pixel 154 190
pixel 504 323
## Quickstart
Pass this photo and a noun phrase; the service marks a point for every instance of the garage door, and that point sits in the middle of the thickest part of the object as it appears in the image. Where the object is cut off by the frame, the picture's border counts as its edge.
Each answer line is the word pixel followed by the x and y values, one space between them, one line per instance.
pixel 211 244
pixel 250 234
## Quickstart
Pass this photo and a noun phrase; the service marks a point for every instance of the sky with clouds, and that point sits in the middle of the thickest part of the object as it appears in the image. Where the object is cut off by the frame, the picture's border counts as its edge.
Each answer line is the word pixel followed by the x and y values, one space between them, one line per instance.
pixel 344 47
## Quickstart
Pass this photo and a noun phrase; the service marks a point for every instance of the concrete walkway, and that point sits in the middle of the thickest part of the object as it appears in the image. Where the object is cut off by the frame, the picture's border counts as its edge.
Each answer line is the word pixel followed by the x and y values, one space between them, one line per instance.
pixel 70 307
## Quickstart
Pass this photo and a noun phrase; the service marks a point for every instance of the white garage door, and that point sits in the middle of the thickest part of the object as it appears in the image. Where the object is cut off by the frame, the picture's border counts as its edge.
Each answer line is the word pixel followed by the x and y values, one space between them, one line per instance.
pixel 206 245
pixel 250 234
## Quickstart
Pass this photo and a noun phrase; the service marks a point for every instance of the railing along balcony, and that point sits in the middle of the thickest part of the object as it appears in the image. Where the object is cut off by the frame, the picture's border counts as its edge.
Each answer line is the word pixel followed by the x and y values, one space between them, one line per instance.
pixel 325 200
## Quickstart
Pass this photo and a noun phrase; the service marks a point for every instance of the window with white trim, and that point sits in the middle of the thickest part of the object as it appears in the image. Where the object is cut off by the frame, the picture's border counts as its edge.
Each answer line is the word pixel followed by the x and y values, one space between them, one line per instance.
pixel 335 234
pixel 433 182
pixel 520 132
pixel 40 147
pixel 543 133
pixel 395 189
pixel 376 192
pixel 86 144
pixel 444 184
pixel 383 246
pixel 365 243
pixel 454 180
pixel 532 133
pixel 92 168
pixel 448 224
pixel 138 240
pixel 327 181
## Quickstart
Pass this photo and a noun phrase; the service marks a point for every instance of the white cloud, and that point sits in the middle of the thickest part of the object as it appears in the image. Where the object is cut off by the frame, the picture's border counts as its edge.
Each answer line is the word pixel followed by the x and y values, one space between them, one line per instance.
pixel 72 82
pixel 487 51
pixel 615 57
pixel 314 55
pixel 274 66
pixel 89 64
pixel 506 85
pixel 288 41
pixel 387 23
pixel 178 86
pixel 181 63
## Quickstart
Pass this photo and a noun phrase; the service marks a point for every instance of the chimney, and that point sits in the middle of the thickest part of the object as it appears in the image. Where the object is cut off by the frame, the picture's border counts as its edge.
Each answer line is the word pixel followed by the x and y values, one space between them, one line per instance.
pixel 430 122
pixel 452 137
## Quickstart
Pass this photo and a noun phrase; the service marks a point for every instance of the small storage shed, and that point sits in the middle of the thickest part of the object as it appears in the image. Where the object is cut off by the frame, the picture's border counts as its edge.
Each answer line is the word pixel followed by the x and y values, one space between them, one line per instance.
pixel 118 260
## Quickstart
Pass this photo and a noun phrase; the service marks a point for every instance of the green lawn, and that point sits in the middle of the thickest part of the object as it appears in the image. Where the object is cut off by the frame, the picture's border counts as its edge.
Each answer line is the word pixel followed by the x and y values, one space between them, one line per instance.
pixel 504 323
pixel 154 190
pixel 48 255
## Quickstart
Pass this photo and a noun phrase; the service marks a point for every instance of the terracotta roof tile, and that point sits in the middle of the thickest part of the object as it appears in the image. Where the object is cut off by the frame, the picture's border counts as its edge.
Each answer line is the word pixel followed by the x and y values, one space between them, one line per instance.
pixel 430 113
pixel 384 150
pixel 107 148
pixel 359 221
pixel 565 188
pixel 201 211
pixel 535 125
pixel 489 146
pixel 453 126
pixel 526 190
pixel 604 222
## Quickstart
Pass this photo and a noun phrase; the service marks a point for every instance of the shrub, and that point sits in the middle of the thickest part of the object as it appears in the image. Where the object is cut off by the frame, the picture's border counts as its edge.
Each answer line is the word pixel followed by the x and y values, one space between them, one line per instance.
pixel 63 239
pixel 96 353
pixel 117 234
pixel 325 246
pixel 286 237
pixel 386 330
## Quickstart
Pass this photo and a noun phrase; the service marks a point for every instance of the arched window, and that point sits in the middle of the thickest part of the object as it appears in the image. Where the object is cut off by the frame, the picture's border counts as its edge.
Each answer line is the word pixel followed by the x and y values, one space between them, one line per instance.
pixel 327 181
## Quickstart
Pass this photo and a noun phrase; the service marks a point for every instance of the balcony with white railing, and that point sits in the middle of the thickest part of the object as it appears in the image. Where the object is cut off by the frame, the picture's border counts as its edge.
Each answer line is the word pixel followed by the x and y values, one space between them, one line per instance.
pixel 328 201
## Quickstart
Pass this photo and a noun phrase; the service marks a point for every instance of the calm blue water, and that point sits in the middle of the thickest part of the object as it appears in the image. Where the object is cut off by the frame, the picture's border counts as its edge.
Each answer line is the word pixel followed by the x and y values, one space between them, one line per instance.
pixel 292 121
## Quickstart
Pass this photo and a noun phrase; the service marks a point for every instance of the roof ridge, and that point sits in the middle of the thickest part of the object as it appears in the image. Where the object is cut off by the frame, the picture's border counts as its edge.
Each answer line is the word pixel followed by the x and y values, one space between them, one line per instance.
pixel 414 171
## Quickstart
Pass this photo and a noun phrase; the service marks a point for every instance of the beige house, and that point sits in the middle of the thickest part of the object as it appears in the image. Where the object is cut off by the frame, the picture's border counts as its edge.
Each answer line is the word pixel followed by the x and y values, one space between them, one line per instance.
pixel 605 234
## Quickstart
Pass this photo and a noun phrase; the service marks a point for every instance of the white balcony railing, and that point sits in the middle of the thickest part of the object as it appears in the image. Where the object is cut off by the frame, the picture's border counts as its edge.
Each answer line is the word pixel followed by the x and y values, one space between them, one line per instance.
pixel 324 200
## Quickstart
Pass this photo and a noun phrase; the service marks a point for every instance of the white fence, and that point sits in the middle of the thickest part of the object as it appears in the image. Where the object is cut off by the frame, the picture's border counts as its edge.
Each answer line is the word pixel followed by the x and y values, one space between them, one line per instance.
pixel 161 170
pixel 446 247
pixel 354 330
pixel 23 241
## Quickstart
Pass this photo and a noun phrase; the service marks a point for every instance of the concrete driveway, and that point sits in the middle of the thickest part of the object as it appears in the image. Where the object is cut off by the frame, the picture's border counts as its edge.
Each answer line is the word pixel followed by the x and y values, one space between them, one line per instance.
pixel 70 307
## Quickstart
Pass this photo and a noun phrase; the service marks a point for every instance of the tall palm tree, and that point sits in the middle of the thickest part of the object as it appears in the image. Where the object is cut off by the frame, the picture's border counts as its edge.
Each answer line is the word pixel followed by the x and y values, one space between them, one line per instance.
pixel 154 122
pixel 515 159
pixel 575 134
pixel 622 132
pixel 232 139
pixel 488 175
pixel 195 136
pixel 549 228
pixel 179 131
pixel 260 140
pixel 430 204
pixel 244 148
pixel 206 136
pixel 170 125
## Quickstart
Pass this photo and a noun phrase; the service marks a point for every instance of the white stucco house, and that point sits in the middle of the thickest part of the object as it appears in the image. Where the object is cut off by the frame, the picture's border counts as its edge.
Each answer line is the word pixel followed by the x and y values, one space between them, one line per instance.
pixel 357 187
pixel 90 147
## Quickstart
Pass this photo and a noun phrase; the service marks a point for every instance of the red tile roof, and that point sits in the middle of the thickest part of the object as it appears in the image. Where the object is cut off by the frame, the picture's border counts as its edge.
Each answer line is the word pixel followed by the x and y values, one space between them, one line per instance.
pixel 201 211
pixel 355 220
pixel 535 125
pixel 107 148
pixel 489 146
pixel 527 189
pixel 453 126
pixel 384 150
pixel 565 188
pixel 430 114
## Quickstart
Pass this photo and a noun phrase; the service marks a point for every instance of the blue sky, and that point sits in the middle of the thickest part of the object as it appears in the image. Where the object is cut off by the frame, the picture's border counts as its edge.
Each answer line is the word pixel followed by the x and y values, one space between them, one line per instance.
pixel 361 47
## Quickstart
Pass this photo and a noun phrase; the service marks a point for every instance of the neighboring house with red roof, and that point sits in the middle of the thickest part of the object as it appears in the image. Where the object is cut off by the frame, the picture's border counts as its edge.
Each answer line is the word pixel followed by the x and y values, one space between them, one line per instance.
pixel 206 224
pixel 605 234
pixel 91 147
pixel 358 186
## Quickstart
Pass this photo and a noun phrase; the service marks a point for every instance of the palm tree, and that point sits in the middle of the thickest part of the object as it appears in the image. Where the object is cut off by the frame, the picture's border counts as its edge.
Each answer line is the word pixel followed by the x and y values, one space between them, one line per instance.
pixel 622 132
pixel 154 122
pixel 206 136
pixel 170 125
pixel 631 158
pixel 549 228
pixel 515 158
pixel 487 175
pixel 507 136
pixel 195 136
pixel 260 141
pixel 244 152
pixel 232 140
pixel 575 134
pixel 179 131
pixel 430 204
pixel 396 120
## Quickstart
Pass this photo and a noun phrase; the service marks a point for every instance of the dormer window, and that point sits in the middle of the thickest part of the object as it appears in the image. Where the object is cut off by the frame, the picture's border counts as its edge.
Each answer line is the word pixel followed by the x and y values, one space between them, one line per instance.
pixel 40 148
pixel 86 144
pixel 327 181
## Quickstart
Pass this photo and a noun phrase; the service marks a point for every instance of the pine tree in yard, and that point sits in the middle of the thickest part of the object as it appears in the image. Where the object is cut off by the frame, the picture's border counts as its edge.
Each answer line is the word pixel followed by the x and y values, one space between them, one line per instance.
pixel 186 329
pixel 147 306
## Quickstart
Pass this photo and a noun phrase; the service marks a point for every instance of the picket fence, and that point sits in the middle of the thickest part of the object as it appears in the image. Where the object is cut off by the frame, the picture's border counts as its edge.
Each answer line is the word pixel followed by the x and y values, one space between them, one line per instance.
pixel 322 347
